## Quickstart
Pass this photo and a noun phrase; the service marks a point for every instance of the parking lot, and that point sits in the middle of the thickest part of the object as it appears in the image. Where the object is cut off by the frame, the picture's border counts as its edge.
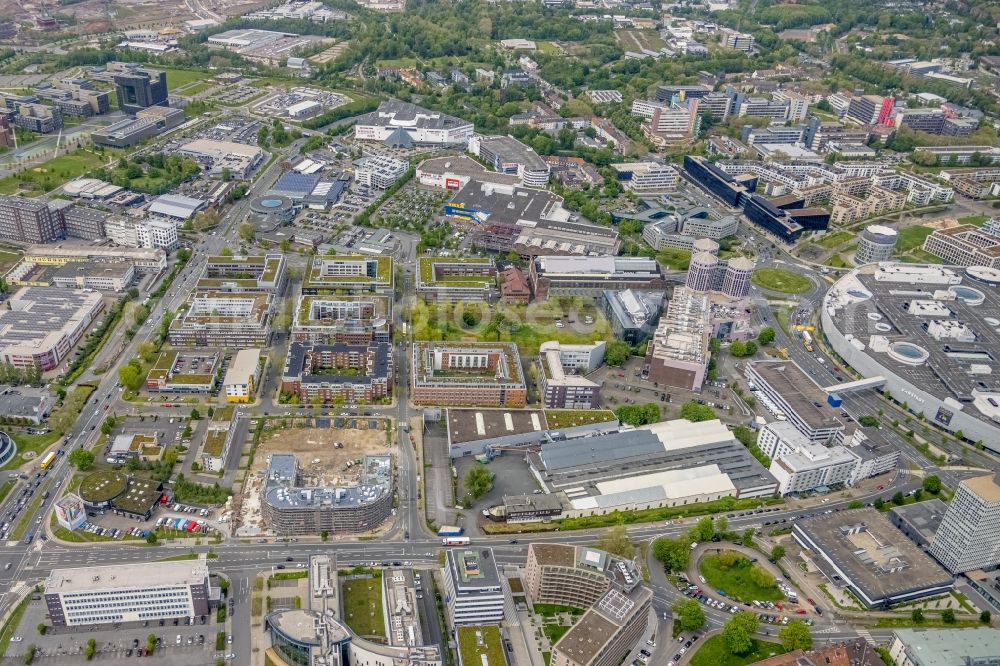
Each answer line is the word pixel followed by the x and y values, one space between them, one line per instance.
pixel 196 644
pixel 277 105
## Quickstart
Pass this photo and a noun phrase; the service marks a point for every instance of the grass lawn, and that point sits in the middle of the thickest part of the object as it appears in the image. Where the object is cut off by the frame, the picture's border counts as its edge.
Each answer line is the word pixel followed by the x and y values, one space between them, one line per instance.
pixel 477 642
pixel 924 257
pixel 401 63
pixel 363 606
pixel 50 175
pixel 196 88
pixel 714 652
pixel 25 524
pixel 8 629
pixel 912 237
pixel 977 220
pixel 8 259
pixel 182 77
pixel 674 258
pixel 836 261
pixel 780 280
pixel 548 48
pixel 551 610
pixel 555 632
pixel 5 490
pixel 736 580
pixel 830 241
pixel 26 443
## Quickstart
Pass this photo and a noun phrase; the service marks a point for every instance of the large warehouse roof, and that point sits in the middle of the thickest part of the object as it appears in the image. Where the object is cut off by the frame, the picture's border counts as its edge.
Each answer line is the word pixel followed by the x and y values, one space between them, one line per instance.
pixel 176 205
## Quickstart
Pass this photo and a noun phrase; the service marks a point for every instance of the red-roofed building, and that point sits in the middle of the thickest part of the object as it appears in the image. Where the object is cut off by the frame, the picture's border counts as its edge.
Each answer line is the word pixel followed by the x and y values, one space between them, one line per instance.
pixel 514 288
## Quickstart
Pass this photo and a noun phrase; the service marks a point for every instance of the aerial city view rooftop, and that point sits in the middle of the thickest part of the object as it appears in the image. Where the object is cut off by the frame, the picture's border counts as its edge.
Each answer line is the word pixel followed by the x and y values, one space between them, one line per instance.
pixel 528 333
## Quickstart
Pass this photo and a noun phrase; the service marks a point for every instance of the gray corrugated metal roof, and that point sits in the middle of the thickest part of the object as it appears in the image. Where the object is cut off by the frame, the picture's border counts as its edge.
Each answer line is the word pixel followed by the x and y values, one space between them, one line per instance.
pixel 603 448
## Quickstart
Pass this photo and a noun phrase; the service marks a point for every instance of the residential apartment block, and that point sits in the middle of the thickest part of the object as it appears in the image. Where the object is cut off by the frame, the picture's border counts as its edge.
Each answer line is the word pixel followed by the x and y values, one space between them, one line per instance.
pixel 467 374
pixel 223 319
pixel 965 245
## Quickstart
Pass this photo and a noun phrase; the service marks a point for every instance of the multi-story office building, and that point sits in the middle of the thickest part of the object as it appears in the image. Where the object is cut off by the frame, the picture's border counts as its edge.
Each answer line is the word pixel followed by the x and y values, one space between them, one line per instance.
pixel 508 155
pixel 607 632
pixel 870 109
pixel 739 41
pixel 709 274
pixel 147 123
pixel 608 587
pixel 561 368
pixel 922 120
pixel 800 465
pixel 379 171
pixel 795 396
pixel 876 243
pixel 969 535
pixel 151 233
pixel 456 278
pixel 244 273
pixel 762 107
pixel 29 221
pixel 401 123
pixel 589 276
pixel 75 99
pixel 81 222
pixel 127 593
pixel 673 123
pixel 41 325
pixel 568 575
pixel 965 245
pixel 348 274
pixel 472 585
pixel 243 376
pixel 678 353
pixel 139 89
pixel 473 374
pixel 632 314
pixel 30 115
pixel 937 647
pixel 113 276
pixel 356 320
pixel 223 319
pixel 642 177
pixel 798 105
pixel 668 92
pixel 292 509
pixel 324 372
pixel 875 201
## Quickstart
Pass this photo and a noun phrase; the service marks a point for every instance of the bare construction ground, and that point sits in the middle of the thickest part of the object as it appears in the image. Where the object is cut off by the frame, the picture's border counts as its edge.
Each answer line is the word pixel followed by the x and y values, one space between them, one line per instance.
pixel 321 462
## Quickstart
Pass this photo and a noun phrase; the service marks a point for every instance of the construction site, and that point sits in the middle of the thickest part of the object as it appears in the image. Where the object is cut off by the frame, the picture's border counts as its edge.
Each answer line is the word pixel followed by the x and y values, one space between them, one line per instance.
pixel 327 455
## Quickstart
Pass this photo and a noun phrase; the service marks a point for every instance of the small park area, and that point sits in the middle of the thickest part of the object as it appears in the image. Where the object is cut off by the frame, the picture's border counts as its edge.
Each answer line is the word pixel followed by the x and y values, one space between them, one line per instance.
pixel 735 575
pixel 715 652
pixel 781 280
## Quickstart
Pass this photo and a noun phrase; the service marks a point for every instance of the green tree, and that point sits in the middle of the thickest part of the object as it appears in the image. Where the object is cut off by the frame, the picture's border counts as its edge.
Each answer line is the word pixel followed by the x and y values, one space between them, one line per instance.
pixel 917 616
pixel 226 252
pixel 688 613
pixel 898 499
pixel 703 530
pixel 932 484
pixel 615 540
pixel 324 535
pixel 90 649
pixel 738 633
pixel 879 503
pixel 195 414
pixel 675 553
pixel 766 336
pixel 151 538
pixel 948 616
pixel 693 411
pixel 777 552
pixel 868 421
pixel 854 504
pixel 82 459
pixel 616 352
pixel 42 628
pixel 29 653
pixel 151 643
pixel 761 577
pixel 478 481
pixel 130 375
pixel 985 617
pixel 795 636
pixel 747 539
pixel 247 232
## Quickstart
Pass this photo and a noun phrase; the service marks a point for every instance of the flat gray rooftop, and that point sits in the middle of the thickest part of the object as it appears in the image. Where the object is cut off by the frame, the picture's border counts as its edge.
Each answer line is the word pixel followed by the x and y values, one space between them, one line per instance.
pixel 876 557
pixel 472 425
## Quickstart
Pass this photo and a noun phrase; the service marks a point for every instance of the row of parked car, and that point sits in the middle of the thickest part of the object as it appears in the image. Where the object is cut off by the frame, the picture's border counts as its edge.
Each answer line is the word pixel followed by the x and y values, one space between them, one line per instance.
pixel 694 592
pixel 182 524
pixel 113 532
pixel 181 508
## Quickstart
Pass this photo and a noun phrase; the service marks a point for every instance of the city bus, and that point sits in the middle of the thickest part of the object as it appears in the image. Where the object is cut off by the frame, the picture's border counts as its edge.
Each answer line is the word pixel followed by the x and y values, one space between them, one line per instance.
pixel 48 460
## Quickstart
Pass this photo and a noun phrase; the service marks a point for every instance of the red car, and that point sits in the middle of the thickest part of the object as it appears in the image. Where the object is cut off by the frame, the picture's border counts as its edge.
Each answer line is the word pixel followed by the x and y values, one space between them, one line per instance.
pixel 801 611
pixel 811 601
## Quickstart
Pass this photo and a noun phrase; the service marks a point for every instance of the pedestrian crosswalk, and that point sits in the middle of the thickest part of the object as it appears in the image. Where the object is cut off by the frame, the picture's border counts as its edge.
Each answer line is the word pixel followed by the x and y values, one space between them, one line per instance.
pixel 864 633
